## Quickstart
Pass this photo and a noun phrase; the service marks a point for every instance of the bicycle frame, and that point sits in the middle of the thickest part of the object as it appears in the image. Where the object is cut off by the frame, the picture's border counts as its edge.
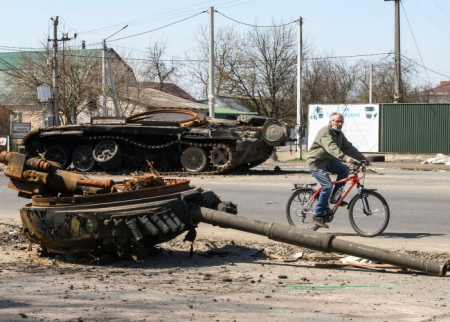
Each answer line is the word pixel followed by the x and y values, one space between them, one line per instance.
pixel 365 221
pixel 354 180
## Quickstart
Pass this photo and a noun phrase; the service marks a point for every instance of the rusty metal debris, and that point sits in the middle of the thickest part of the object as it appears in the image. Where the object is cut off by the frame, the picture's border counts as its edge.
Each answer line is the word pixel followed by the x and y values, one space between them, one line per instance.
pixel 189 145
pixel 70 214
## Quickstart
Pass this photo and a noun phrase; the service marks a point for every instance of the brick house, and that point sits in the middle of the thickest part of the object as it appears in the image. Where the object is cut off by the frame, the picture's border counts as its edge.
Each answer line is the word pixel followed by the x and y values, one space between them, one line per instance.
pixel 436 95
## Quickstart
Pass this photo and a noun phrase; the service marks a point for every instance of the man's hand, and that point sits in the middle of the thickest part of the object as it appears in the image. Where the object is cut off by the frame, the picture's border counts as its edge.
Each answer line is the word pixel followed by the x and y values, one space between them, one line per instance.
pixel 350 161
pixel 367 161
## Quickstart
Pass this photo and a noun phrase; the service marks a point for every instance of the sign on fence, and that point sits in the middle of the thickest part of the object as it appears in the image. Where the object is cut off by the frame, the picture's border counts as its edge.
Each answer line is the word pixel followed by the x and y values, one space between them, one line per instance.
pixel 361 123
pixel 19 129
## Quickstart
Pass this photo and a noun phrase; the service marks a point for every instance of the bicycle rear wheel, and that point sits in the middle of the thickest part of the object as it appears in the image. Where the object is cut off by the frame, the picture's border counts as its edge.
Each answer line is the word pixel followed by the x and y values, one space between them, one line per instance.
pixel 298 206
pixel 373 223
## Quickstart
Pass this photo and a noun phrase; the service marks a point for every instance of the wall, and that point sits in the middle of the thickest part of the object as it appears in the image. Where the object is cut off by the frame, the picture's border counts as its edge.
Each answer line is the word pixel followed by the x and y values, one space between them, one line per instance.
pixel 415 128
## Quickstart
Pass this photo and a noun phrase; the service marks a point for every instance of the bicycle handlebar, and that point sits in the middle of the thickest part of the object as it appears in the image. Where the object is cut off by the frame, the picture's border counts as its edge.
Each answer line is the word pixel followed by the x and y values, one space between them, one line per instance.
pixel 361 164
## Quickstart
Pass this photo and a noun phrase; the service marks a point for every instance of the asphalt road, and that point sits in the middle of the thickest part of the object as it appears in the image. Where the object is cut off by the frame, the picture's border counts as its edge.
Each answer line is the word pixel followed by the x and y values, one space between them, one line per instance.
pixel 418 200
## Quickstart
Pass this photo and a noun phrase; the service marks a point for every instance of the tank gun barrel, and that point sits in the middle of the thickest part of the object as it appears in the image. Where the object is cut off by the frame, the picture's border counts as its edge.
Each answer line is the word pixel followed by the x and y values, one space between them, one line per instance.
pixel 31 176
pixel 318 241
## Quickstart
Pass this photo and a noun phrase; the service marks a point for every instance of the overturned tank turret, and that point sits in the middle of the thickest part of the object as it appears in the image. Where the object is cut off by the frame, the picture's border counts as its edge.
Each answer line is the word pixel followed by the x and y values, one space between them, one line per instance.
pixel 172 140
pixel 70 214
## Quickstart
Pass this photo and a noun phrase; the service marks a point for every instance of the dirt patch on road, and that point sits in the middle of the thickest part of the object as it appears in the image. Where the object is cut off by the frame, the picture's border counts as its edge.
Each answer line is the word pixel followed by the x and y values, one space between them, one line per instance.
pixel 225 280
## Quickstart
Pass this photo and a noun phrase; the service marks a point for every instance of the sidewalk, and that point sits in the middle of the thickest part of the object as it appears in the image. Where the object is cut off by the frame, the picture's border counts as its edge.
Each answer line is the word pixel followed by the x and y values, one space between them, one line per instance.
pixel 283 156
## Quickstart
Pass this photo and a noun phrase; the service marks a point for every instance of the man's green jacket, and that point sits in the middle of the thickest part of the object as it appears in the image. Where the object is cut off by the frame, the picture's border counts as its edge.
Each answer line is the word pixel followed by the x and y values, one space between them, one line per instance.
pixel 328 145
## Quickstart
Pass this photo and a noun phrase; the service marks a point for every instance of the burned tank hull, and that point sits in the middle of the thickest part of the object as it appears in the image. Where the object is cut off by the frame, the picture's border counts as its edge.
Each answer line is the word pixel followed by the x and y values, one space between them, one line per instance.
pixel 187 145
pixel 71 214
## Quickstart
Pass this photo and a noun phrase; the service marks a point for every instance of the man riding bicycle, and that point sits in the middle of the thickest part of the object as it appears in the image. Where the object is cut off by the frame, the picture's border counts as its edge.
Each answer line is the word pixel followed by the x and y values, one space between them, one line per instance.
pixel 329 149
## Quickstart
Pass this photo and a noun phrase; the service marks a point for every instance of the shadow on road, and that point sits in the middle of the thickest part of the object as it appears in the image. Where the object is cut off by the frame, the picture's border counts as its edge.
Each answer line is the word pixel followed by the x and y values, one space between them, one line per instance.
pixel 398 235
pixel 266 172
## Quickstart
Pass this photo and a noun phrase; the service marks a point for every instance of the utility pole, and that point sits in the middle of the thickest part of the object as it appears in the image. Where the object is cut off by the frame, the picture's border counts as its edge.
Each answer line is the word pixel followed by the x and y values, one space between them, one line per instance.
pixel 397 71
pixel 370 83
pixel 299 129
pixel 55 108
pixel 55 100
pixel 105 63
pixel 211 95
pixel 113 88
pixel 104 110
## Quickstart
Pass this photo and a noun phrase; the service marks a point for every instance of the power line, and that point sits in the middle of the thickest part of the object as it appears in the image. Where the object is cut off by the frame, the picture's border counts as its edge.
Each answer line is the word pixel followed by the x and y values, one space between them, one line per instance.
pixel 415 42
pixel 431 18
pixel 166 15
pixel 146 32
pixel 255 26
pixel 205 60
pixel 445 12
pixel 239 4
pixel 350 56
pixel 19 49
pixel 426 68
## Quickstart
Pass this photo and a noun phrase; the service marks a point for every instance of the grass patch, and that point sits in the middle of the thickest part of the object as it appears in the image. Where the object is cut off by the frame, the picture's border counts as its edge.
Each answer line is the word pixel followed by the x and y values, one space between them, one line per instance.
pixel 298 160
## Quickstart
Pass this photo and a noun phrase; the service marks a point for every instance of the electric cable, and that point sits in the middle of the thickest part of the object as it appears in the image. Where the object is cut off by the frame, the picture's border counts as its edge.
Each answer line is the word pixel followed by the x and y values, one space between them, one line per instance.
pixel 255 26
pixel 440 27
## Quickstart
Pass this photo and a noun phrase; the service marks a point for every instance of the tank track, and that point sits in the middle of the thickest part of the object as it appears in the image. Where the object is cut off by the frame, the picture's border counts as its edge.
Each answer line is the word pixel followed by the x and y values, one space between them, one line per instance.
pixel 231 164
pixel 268 153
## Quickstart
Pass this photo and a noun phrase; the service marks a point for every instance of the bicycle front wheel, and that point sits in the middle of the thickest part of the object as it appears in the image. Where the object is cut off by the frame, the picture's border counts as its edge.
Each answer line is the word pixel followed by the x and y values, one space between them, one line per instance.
pixel 299 207
pixel 369 214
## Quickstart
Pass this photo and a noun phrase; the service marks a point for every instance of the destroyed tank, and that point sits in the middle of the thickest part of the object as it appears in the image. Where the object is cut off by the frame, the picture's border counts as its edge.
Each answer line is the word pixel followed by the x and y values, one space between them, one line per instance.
pixel 170 140
pixel 71 214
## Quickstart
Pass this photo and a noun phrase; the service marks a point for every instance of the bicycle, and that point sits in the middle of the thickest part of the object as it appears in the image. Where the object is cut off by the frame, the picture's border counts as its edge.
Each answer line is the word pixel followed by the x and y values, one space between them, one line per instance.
pixel 368 211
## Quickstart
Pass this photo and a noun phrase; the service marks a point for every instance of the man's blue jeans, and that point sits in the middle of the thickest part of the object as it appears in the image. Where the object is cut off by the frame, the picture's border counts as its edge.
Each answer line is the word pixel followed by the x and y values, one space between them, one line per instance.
pixel 321 175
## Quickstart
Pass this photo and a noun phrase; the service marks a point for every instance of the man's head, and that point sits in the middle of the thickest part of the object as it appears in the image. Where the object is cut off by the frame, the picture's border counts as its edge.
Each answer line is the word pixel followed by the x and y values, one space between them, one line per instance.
pixel 336 121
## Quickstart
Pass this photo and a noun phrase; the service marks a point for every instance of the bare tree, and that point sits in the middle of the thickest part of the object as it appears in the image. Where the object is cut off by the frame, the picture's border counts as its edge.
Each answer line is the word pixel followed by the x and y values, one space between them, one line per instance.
pixel 268 76
pixel 4 120
pixel 258 66
pixel 383 81
pixel 80 82
pixel 156 68
pixel 228 55
pixel 330 81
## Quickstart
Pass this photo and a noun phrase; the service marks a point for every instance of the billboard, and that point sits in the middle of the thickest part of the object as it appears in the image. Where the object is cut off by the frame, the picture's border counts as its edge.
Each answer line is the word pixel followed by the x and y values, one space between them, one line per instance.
pixel 360 127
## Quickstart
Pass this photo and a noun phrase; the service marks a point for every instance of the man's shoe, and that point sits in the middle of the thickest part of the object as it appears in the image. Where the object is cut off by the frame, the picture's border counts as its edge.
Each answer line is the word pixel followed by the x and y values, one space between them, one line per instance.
pixel 343 203
pixel 319 221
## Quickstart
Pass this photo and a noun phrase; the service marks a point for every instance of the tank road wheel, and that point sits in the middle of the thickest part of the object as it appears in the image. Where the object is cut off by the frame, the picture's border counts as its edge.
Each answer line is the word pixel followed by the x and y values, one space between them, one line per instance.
pixel 107 154
pixel 59 154
pixel 82 158
pixel 220 156
pixel 194 159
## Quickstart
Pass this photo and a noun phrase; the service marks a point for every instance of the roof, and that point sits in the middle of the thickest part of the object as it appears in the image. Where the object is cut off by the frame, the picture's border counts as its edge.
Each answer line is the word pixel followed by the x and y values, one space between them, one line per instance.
pixel 168 88
pixel 13 60
pixel 218 110
pixel 440 90
pixel 152 98
pixel 233 103
pixel 229 106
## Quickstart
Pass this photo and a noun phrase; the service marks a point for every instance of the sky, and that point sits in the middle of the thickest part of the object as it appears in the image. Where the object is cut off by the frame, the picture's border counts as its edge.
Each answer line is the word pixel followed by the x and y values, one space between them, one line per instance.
pixel 343 28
